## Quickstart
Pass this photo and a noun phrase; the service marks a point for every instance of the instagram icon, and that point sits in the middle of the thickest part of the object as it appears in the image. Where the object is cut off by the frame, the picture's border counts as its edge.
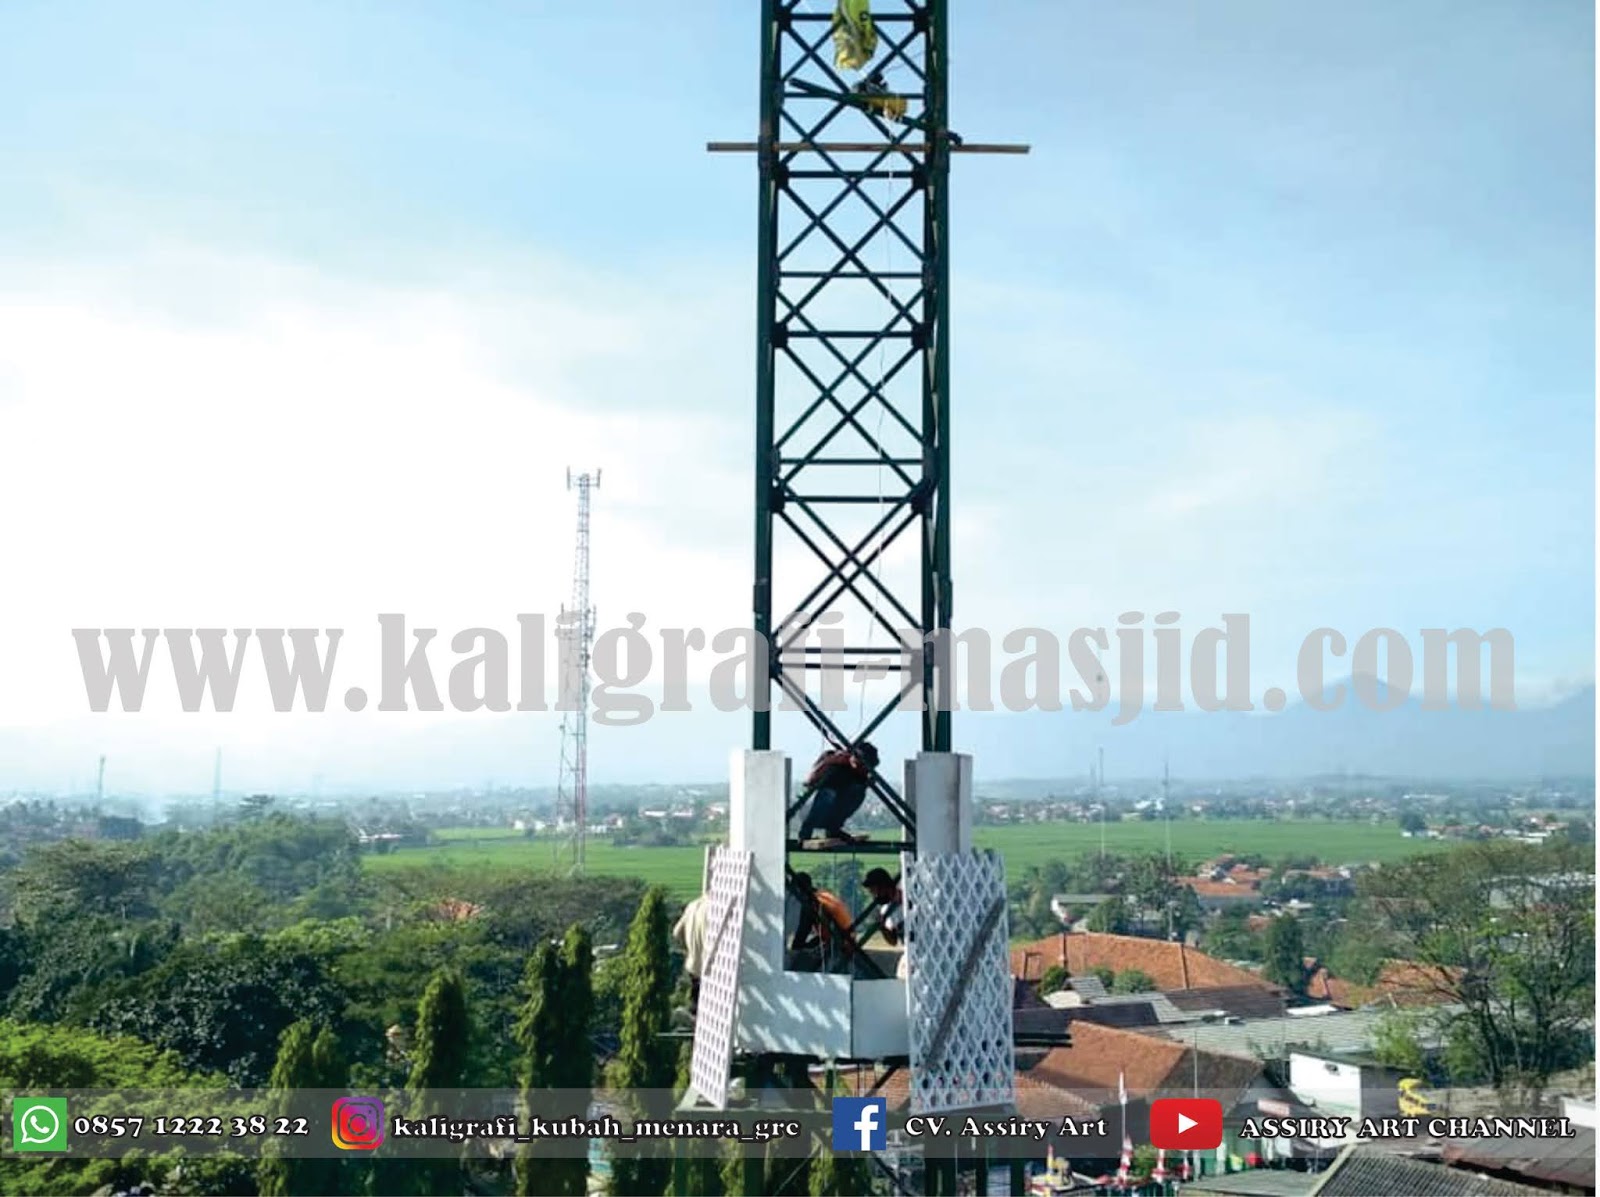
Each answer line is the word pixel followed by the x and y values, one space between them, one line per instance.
pixel 357 1123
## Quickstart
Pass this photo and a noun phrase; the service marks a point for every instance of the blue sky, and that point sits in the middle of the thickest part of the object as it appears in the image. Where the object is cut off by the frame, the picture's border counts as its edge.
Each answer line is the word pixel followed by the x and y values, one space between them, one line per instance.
pixel 1290 311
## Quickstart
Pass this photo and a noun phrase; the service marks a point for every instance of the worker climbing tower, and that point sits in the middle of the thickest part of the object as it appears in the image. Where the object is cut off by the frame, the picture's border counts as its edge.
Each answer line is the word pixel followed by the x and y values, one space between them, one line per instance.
pixel 852 538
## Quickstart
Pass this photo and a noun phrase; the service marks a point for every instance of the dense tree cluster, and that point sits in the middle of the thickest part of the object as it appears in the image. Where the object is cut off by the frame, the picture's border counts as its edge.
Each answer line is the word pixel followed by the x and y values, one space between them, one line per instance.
pixel 260 954
pixel 1504 934
pixel 252 953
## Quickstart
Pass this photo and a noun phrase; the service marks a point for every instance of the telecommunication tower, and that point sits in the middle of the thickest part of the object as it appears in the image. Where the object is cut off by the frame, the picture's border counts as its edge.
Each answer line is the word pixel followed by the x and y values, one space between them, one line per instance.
pixel 576 632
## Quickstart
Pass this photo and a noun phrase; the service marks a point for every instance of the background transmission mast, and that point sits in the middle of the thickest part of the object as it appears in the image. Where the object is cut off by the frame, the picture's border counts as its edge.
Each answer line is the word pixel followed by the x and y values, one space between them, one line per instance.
pixel 577 642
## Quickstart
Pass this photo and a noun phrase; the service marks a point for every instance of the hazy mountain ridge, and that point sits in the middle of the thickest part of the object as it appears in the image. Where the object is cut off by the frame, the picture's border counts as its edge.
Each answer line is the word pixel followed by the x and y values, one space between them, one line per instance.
pixel 1551 741
pixel 386 753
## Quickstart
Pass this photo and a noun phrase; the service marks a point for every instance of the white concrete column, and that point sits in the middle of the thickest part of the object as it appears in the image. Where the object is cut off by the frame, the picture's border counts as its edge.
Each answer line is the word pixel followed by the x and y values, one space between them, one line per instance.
pixel 778 1011
pixel 758 796
pixel 939 790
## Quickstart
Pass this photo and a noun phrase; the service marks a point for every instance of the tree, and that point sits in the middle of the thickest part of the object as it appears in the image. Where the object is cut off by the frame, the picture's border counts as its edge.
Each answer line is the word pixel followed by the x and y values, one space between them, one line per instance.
pixel 645 1062
pixel 1506 933
pixel 308 1058
pixel 1038 916
pixel 37 1058
pixel 67 878
pixel 67 970
pixel 1132 981
pixel 734 1170
pixel 839 1176
pixel 1578 833
pixel 1187 913
pixel 578 1004
pixel 1111 917
pixel 439 1056
pixel 538 1033
pixel 1359 951
pixel 1156 884
pixel 1397 1041
pixel 443 1029
pixel 702 1177
pixel 1412 821
pixel 1150 882
pixel 1286 955
pixel 554 1035
pixel 1230 937
pixel 787 1176
pixel 224 1006
pixel 1053 980
pixel 1056 876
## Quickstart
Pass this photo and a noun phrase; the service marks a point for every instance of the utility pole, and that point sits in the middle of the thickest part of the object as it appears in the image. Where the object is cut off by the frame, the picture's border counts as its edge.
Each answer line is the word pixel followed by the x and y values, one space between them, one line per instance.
pixel 576 629
pixel 100 781
pixel 1166 819
pixel 1100 797
pixel 1166 782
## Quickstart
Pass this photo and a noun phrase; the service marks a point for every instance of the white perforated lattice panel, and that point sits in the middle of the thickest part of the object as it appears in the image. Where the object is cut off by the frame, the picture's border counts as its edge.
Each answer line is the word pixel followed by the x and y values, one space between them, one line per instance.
pixel 959 983
pixel 719 978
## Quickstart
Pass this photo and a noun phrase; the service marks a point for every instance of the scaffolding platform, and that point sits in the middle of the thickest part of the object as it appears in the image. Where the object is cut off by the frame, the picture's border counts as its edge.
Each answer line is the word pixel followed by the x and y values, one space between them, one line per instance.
pixel 852 848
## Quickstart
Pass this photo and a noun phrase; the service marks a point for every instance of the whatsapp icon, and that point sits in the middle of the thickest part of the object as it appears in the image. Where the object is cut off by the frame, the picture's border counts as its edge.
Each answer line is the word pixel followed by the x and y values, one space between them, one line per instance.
pixel 39 1124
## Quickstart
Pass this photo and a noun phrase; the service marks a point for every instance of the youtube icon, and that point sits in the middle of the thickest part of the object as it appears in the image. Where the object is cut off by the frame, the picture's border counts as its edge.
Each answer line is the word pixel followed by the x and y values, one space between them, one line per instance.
pixel 1186 1124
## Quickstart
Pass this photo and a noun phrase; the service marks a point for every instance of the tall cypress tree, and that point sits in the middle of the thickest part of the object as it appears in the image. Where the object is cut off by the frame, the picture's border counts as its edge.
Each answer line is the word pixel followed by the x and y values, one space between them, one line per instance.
pixel 838 1175
pixel 734 1172
pixel 787 1176
pixel 554 1034
pixel 538 1033
pixel 307 1059
pixel 702 1176
pixel 1286 954
pixel 574 1074
pixel 646 1060
pixel 439 1064
pixel 439 1055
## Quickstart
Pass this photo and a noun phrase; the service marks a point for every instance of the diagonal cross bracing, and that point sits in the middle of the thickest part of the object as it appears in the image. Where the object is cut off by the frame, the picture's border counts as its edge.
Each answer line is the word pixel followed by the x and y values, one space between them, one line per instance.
pixel 852 486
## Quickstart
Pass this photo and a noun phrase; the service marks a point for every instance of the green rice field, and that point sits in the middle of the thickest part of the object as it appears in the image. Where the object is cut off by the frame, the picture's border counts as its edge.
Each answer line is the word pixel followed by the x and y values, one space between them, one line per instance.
pixel 479 849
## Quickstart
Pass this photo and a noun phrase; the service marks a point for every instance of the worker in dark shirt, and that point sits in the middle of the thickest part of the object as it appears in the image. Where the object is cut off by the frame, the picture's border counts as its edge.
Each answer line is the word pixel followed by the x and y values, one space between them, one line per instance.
pixel 838 784
pixel 890 902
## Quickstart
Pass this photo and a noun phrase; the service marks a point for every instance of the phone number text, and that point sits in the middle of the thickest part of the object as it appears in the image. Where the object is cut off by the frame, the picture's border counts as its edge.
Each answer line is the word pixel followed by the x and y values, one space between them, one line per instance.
pixel 240 1127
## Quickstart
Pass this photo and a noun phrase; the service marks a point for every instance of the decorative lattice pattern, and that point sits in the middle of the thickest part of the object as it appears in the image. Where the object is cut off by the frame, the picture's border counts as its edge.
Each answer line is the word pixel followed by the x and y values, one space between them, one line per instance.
pixel 959 982
pixel 719 979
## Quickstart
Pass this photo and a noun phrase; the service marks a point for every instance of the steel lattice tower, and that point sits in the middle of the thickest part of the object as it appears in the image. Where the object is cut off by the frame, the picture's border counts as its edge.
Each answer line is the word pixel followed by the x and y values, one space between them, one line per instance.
pixel 853 366
pixel 576 630
pixel 852 543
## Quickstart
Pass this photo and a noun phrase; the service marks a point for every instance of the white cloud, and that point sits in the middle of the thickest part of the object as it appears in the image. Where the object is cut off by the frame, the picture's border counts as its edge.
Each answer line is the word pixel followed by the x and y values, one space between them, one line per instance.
pixel 313 452
pixel 193 439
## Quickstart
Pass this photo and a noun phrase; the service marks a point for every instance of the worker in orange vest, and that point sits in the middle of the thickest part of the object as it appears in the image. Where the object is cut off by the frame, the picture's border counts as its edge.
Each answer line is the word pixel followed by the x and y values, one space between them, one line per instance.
pixel 823 936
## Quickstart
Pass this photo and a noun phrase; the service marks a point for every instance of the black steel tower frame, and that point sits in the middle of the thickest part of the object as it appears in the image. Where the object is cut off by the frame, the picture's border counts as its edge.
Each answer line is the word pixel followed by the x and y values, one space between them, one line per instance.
pixel 810 344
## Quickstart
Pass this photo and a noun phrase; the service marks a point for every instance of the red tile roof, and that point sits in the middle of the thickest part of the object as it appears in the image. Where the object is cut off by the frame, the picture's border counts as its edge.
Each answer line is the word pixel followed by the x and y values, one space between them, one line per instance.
pixel 1150 1067
pixel 1083 1079
pixel 1401 983
pixel 1169 965
pixel 1222 889
pixel 1037 1096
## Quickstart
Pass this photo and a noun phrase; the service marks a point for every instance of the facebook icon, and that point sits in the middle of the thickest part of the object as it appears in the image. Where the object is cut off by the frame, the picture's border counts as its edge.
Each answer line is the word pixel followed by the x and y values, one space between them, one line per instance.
pixel 860 1123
